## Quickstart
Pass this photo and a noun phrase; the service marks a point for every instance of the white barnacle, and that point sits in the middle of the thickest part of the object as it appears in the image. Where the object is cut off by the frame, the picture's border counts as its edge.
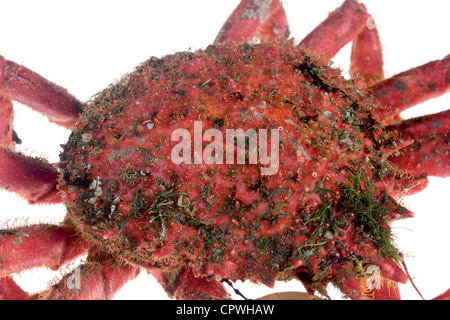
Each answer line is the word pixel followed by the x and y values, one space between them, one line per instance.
pixel 183 201
pixel 96 185
pixel 149 124
pixel 125 81
pixel 275 30
pixel 373 274
pixel 260 10
pixel 86 137
pixel 255 40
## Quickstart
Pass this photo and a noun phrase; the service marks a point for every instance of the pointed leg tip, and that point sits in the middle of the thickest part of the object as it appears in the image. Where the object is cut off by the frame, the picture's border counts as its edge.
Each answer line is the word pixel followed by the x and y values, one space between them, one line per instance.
pixel 443 296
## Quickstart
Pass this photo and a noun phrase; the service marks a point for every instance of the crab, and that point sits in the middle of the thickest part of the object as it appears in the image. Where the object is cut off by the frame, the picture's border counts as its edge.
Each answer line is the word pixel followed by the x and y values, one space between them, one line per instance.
pixel 18 235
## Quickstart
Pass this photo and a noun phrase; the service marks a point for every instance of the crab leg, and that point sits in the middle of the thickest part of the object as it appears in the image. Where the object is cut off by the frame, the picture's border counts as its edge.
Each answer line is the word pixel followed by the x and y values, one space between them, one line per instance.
pixel 429 155
pixel 6 117
pixel 410 88
pixel 357 290
pixel 443 296
pixel 367 58
pixel 430 152
pixel 265 20
pixel 32 178
pixel 427 125
pixel 99 278
pixel 185 285
pixel 389 290
pixel 25 86
pixel 341 27
pixel 389 278
pixel 94 280
pixel 38 246
pixel 405 186
pixel 9 290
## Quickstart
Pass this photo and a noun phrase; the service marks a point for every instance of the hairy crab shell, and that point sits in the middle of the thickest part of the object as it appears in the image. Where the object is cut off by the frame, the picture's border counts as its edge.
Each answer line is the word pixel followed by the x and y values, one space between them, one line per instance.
pixel 109 58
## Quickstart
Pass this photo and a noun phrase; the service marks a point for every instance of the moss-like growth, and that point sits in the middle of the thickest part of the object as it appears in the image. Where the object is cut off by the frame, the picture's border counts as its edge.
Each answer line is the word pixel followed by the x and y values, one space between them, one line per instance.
pixel 361 199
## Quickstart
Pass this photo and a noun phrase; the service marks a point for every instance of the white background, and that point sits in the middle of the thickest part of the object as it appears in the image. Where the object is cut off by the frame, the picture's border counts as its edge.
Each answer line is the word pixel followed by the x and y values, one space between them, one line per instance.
pixel 86 45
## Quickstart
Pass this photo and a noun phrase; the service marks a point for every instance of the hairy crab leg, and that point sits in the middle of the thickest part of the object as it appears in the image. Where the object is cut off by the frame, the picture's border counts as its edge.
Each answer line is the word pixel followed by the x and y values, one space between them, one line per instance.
pixel 38 246
pixel 100 278
pixel 341 27
pixel 9 290
pixel 443 296
pixel 357 288
pixel 410 88
pixel 366 65
pixel 33 179
pixel 265 20
pixel 390 276
pixel 426 125
pixel 406 186
pixel 6 117
pixel 429 154
pixel 389 290
pixel 25 86
pixel 184 285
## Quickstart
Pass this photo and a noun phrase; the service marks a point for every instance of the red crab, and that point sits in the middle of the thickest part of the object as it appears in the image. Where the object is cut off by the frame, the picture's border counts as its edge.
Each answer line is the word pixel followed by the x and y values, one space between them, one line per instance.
pixel 18 234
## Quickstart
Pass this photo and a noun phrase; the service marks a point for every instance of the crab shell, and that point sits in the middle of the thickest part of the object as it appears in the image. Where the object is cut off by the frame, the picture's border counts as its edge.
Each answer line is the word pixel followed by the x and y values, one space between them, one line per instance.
pixel 126 193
